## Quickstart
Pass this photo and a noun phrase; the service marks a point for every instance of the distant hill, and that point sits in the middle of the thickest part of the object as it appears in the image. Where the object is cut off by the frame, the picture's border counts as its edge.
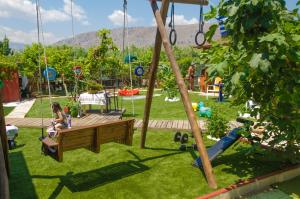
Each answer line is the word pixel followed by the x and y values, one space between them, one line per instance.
pixel 139 37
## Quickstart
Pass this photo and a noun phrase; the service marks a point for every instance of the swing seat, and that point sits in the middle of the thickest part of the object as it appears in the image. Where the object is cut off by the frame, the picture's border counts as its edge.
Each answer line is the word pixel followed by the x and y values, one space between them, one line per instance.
pixel 89 137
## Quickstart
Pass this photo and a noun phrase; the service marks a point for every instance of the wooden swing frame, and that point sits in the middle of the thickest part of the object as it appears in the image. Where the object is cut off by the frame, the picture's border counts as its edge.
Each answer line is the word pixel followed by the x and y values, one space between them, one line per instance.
pixel 162 39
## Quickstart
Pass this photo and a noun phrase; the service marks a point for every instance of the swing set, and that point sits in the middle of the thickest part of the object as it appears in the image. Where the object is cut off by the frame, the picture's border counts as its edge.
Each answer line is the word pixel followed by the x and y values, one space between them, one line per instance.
pixel 123 133
pixel 199 37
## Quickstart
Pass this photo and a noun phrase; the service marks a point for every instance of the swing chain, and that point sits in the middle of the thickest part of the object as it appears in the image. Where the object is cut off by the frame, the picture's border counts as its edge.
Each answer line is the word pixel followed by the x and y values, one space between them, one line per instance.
pixel 200 31
pixel 173 33
pixel 201 20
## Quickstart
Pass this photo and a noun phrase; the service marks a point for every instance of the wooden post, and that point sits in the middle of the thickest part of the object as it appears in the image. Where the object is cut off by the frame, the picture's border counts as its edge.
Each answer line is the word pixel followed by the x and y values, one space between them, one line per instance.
pixel 4 190
pixel 4 164
pixel 3 134
pixel 185 98
pixel 152 74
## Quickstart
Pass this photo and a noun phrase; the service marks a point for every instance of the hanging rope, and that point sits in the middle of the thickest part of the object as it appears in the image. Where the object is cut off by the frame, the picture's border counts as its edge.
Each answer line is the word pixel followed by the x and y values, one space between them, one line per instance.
pixel 41 32
pixel 173 33
pixel 200 37
pixel 74 56
pixel 129 55
pixel 40 79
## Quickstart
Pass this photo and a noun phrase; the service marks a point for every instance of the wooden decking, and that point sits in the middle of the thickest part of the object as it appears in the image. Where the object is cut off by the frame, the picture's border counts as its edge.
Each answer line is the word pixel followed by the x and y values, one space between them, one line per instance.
pixel 97 119
pixel 39 122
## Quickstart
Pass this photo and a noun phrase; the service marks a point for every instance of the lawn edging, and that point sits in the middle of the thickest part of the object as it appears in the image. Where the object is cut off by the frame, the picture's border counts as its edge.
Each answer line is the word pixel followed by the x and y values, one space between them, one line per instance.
pixel 254 184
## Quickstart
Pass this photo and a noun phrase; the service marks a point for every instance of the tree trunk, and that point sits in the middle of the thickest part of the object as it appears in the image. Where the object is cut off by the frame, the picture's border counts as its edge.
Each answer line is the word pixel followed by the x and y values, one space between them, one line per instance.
pixel 65 86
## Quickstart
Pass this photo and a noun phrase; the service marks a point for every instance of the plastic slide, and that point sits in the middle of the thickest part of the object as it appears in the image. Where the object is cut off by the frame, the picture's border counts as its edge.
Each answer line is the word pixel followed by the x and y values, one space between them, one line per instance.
pixel 220 146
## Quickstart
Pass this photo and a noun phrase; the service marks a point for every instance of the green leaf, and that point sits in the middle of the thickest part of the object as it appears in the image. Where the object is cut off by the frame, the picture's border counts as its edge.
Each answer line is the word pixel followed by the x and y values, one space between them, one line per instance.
pixel 254 2
pixel 264 65
pixel 275 38
pixel 233 10
pixel 211 14
pixel 296 38
pixel 236 78
pixel 254 62
pixel 211 32
pixel 221 67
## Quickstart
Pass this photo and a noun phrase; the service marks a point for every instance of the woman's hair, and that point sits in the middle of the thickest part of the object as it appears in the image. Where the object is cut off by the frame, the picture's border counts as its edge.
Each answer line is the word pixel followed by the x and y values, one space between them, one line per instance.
pixel 56 106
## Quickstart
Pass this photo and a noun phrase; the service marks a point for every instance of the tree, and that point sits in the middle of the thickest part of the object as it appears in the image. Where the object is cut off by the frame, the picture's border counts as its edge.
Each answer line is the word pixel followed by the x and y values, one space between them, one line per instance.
pixel 103 60
pixel 5 46
pixel 261 62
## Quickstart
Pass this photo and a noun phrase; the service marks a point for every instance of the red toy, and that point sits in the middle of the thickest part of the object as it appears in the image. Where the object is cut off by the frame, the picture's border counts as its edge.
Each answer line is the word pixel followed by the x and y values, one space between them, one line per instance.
pixel 125 92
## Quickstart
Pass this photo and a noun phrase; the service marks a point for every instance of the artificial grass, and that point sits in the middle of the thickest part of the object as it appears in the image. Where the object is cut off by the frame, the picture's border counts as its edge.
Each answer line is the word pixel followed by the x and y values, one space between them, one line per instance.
pixel 42 107
pixel 291 187
pixel 119 171
pixel 159 110
pixel 7 110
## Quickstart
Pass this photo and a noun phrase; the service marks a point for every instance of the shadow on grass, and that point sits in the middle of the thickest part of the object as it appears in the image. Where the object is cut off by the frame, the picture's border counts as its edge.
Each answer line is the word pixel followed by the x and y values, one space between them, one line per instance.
pixel 20 178
pixel 247 165
pixel 92 179
pixel 129 115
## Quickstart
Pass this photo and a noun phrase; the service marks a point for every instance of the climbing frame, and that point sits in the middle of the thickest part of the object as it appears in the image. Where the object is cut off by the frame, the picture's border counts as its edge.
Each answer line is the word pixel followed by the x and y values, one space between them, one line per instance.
pixel 162 38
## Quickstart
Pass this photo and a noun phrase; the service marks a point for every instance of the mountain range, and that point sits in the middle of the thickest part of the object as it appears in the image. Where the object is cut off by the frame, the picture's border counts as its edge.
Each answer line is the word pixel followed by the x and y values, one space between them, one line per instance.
pixel 138 36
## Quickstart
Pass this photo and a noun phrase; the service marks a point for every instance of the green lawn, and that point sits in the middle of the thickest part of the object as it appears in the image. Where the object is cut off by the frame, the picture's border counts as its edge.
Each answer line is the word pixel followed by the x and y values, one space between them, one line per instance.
pixel 7 110
pixel 160 109
pixel 119 171
pixel 42 107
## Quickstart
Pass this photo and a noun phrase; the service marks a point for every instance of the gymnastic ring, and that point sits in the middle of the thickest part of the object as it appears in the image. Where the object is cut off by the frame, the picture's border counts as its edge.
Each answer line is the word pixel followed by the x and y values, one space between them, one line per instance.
pixel 173 37
pixel 202 40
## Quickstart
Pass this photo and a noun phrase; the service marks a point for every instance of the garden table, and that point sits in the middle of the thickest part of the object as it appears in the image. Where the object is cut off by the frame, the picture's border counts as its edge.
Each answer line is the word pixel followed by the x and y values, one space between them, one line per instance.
pixel 93 99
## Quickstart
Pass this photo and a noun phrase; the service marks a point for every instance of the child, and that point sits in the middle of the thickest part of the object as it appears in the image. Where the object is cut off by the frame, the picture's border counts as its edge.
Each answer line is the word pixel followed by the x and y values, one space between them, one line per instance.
pixel 60 120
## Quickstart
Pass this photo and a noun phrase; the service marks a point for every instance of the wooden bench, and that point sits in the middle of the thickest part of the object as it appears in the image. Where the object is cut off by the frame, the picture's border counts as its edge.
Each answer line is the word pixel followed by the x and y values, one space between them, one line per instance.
pixel 89 137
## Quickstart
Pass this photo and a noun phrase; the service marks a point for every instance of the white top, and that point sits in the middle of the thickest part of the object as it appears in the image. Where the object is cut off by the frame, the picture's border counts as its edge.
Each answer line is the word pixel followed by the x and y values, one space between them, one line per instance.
pixel 11 132
pixel 94 99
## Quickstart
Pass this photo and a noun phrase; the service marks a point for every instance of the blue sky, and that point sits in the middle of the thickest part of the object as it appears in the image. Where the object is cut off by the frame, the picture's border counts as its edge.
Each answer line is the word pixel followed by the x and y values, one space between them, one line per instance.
pixel 18 22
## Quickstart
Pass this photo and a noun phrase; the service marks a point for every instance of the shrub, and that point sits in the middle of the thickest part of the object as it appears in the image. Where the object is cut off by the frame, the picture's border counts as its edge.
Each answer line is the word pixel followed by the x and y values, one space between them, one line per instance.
pixel 217 125
pixel 93 87
pixel 73 107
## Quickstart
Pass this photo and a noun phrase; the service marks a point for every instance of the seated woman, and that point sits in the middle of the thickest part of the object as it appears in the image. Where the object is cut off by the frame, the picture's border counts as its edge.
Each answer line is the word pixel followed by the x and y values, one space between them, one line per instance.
pixel 60 120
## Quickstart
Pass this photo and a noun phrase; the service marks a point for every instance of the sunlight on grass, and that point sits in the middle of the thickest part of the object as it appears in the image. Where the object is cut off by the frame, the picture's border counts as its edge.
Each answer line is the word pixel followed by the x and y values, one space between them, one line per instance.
pixel 119 171
pixel 160 109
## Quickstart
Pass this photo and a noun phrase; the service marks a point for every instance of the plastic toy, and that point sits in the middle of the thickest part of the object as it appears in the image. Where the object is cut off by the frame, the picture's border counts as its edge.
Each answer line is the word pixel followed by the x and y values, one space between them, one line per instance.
pixel 50 73
pixel 139 71
pixel 126 92
pixel 12 133
pixel 195 106
pixel 204 111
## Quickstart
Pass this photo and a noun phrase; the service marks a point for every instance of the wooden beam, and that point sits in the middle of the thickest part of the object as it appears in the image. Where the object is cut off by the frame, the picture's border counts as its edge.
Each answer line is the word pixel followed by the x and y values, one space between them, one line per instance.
pixel 152 74
pixel 4 165
pixel 3 133
pixel 185 98
pixel 197 2
pixel 4 190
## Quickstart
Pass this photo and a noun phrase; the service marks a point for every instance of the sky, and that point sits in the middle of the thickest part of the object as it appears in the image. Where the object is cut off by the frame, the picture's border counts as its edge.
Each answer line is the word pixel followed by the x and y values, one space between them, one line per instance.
pixel 18 17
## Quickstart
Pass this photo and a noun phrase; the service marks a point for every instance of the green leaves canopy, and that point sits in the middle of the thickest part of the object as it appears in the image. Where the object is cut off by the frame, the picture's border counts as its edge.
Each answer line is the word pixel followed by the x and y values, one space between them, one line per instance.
pixel 262 62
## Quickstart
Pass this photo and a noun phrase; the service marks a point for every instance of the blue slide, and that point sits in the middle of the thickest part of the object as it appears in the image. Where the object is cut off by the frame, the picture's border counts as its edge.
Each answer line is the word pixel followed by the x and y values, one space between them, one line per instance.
pixel 220 146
